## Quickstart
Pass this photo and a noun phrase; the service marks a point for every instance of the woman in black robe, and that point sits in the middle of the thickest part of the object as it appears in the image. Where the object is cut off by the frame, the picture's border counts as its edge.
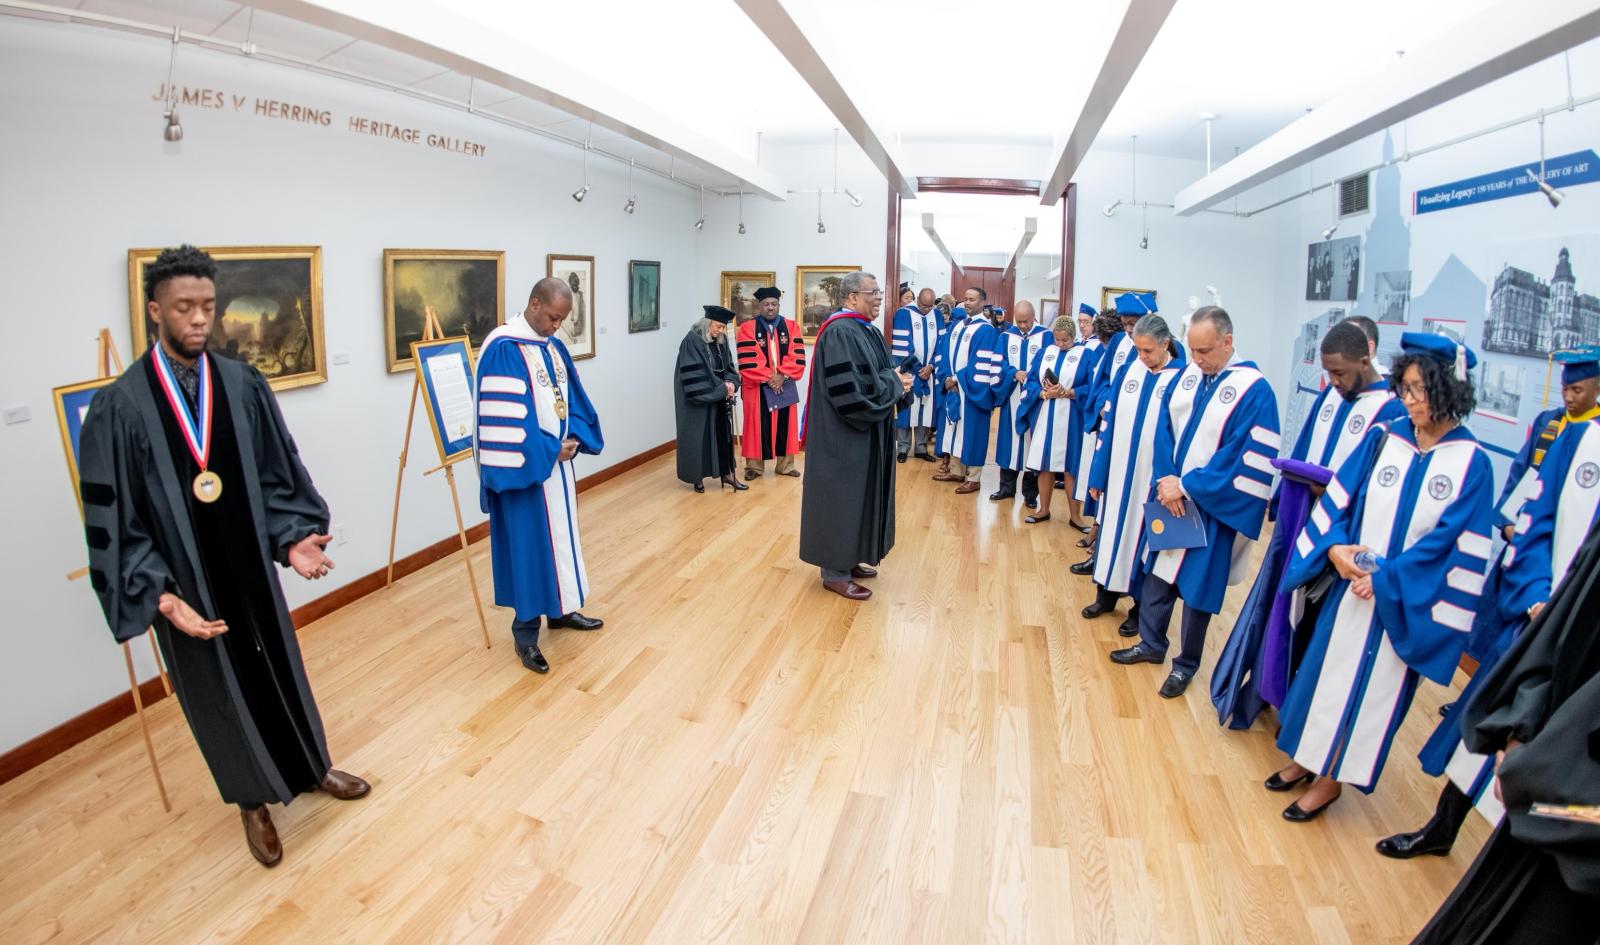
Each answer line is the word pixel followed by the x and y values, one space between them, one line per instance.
pixel 1537 880
pixel 703 387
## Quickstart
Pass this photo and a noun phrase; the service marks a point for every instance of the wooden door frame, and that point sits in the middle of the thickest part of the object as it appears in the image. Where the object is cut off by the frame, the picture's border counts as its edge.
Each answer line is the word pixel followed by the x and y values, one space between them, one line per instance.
pixel 1001 186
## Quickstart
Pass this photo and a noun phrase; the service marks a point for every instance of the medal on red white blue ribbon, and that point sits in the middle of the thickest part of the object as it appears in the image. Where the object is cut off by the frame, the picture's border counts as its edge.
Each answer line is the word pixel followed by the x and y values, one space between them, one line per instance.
pixel 207 486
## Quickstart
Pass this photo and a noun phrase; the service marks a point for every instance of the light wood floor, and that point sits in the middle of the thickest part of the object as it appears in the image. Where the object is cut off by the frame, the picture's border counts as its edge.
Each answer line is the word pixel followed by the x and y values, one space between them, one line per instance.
pixel 738 757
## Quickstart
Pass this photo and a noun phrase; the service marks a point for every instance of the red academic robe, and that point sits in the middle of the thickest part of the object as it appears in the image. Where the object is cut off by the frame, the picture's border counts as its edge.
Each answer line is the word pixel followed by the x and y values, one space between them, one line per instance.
pixel 769 433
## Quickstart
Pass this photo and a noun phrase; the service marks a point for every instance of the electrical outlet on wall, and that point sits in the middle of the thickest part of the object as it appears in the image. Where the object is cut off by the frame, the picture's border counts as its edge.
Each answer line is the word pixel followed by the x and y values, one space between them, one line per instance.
pixel 340 536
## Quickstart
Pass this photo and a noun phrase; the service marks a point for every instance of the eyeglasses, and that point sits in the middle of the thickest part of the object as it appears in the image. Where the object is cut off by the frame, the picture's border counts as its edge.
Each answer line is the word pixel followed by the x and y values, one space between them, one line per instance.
pixel 875 293
pixel 1414 392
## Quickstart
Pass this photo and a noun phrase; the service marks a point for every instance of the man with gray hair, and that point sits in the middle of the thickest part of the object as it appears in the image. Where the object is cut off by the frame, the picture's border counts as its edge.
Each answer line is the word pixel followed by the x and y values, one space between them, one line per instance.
pixel 847 497
pixel 533 418
pixel 1216 437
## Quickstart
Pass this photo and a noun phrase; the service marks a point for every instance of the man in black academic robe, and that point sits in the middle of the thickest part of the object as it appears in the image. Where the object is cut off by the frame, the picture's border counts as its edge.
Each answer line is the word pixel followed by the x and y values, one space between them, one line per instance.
pixel 192 488
pixel 703 385
pixel 1537 879
pixel 847 501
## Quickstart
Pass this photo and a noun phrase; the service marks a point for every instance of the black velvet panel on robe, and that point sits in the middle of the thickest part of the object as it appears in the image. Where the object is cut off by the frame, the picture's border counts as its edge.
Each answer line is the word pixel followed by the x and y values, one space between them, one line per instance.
pixel 847 498
pixel 244 693
pixel 700 401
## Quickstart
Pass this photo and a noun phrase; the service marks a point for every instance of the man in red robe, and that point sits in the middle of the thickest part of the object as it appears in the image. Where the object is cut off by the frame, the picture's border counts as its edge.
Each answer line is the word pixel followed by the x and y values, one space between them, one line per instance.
pixel 772 360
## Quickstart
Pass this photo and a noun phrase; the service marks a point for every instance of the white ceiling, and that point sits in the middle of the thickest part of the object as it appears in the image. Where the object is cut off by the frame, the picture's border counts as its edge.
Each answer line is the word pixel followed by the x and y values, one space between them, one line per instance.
pixel 976 223
pixel 944 69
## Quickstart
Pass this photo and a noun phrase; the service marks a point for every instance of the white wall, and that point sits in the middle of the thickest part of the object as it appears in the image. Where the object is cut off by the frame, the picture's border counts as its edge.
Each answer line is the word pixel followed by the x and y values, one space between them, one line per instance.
pixel 1455 253
pixel 85 175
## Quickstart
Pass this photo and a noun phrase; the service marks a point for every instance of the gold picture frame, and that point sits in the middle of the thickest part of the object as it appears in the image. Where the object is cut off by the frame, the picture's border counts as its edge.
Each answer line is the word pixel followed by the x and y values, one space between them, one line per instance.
pixel 72 402
pixel 580 327
pixel 738 290
pixel 1108 294
pixel 815 279
pixel 251 278
pixel 462 345
pixel 456 279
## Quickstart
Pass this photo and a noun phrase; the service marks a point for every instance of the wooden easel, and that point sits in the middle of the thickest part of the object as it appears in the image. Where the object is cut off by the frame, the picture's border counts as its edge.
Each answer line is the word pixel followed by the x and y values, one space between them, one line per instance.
pixel 108 358
pixel 432 332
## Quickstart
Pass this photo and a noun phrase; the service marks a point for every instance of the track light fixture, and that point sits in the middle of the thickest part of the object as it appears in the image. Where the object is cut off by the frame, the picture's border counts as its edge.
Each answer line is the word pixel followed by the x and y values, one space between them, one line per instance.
pixel 1550 193
pixel 820 227
pixel 1333 187
pixel 854 200
pixel 1144 224
pixel 700 222
pixel 583 191
pixel 741 211
pixel 632 199
pixel 174 130
pixel 1110 209
pixel 1328 233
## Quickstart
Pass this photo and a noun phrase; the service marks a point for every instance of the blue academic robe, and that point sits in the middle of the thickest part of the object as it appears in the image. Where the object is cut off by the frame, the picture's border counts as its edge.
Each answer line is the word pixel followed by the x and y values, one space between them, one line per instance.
pixel 1524 469
pixel 1336 428
pixel 1019 352
pixel 1429 515
pixel 914 333
pixel 1123 461
pixel 1220 441
pixel 1094 353
pixel 973 357
pixel 531 498
pixel 1050 429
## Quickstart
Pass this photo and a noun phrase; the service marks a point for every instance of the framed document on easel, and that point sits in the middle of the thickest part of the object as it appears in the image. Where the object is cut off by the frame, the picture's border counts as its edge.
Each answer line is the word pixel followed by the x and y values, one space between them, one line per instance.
pixel 72 406
pixel 444 384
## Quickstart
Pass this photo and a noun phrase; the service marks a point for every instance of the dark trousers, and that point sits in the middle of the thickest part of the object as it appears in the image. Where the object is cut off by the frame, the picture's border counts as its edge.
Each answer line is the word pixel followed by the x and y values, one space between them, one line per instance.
pixel 1030 483
pixel 1155 615
pixel 525 633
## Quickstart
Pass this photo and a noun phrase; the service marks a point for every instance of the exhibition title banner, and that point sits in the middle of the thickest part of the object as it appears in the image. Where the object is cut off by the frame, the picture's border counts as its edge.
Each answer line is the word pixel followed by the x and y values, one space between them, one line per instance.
pixel 1564 171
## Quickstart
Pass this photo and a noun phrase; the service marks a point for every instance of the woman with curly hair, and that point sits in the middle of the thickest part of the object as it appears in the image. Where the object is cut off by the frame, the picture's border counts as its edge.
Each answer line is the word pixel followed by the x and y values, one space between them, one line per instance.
pixel 1400 540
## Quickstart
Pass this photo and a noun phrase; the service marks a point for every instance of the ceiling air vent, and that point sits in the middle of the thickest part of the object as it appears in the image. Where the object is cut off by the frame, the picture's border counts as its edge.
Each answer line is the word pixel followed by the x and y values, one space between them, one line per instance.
pixel 1354 197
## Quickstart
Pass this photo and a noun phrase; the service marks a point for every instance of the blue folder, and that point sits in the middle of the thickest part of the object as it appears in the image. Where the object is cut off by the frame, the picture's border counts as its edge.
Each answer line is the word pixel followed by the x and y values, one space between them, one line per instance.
pixel 778 399
pixel 1164 531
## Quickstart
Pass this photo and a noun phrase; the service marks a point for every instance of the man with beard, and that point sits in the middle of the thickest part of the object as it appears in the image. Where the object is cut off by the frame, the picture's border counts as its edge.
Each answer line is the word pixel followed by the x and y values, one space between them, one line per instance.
pixel 192 489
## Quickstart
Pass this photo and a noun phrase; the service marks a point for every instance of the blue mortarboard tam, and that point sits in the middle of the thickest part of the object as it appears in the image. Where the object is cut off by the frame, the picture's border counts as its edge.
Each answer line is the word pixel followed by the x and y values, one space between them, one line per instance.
pixel 1084 308
pixel 1441 348
pixel 1579 364
pixel 1136 303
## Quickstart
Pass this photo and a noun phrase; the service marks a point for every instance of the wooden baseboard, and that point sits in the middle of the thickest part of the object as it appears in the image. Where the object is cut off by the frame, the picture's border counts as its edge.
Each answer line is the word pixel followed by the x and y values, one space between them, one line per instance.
pixel 42 748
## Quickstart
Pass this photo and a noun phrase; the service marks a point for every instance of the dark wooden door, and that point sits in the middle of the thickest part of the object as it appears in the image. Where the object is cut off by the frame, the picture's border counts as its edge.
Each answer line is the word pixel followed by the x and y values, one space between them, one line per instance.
pixel 992 280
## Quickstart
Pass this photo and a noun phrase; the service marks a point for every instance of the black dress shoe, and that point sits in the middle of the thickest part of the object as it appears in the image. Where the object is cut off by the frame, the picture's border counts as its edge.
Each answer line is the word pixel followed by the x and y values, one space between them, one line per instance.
pixel 700 487
pixel 1036 519
pixel 861 572
pixel 1104 603
pixel 1296 814
pixel 1429 841
pixel 901 458
pixel 925 457
pixel 1130 627
pixel 1136 654
pixel 575 621
pixel 751 474
pixel 1446 709
pixel 1000 494
pixel 533 659
pixel 1086 566
pixel 1175 685
pixel 1276 783
pixel 733 484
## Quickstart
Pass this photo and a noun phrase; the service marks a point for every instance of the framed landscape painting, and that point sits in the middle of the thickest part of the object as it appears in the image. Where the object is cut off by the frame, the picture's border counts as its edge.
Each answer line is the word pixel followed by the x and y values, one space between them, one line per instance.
pixel 644 296
pixel 817 295
pixel 578 331
pixel 738 291
pixel 465 288
pixel 269 310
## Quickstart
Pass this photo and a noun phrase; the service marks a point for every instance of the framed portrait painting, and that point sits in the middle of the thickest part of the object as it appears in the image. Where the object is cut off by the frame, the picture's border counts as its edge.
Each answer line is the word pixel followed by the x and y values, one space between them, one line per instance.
pixel 578 331
pixel 739 291
pixel 1049 309
pixel 818 294
pixel 644 296
pixel 465 289
pixel 269 310
pixel 1109 293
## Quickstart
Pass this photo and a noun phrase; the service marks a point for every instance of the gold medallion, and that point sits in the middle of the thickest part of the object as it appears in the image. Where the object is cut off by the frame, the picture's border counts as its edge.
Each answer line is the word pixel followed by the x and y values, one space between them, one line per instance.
pixel 1157 526
pixel 561 409
pixel 207 486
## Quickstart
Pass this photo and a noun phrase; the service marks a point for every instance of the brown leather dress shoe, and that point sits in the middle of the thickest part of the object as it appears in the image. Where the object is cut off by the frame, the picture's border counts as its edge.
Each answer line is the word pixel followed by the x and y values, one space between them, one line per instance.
pixel 861 572
pixel 966 488
pixel 949 477
pixel 848 589
pixel 261 836
pixel 345 787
